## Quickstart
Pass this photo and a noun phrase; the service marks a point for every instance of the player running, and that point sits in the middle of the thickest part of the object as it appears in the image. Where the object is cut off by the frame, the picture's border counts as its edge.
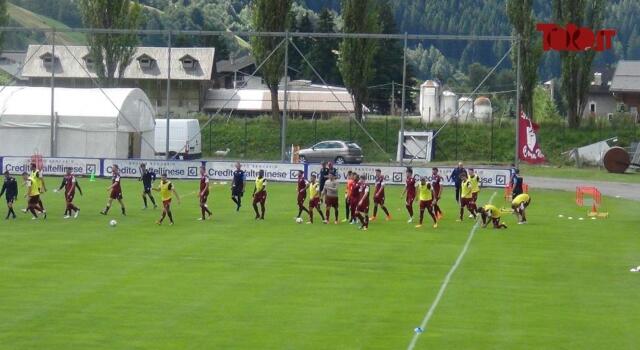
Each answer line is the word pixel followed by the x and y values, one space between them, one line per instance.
pixel 466 197
pixel 410 192
pixel 519 204
pixel 167 190
pixel 70 184
pixel 33 195
pixel 330 195
pixel 37 179
pixel 379 196
pixel 491 213
pixel 436 180
pixel 347 196
pixel 354 197
pixel 314 199
pixel 10 190
pixel 237 186
pixel 115 192
pixel 362 211
pixel 147 177
pixel 203 194
pixel 259 193
pixel 426 195
pixel 301 194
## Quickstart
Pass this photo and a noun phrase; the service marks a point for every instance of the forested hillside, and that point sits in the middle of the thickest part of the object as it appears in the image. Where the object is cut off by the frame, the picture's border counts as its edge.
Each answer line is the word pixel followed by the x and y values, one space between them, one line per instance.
pixel 413 16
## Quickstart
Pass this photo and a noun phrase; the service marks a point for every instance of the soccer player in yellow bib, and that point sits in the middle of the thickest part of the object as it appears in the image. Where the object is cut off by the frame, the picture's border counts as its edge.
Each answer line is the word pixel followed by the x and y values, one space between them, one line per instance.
pixel 466 197
pixel 519 204
pixel 425 196
pixel 491 213
pixel 167 190
pixel 475 184
pixel 260 195
pixel 33 196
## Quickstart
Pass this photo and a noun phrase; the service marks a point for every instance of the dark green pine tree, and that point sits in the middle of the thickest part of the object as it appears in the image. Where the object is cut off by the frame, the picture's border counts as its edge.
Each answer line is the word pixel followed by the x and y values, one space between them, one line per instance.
pixel 296 63
pixel 357 55
pixel 388 61
pixel 323 53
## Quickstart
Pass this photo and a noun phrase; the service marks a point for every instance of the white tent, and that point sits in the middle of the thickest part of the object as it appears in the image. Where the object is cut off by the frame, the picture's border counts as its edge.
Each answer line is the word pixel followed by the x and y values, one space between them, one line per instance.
pixel 108 123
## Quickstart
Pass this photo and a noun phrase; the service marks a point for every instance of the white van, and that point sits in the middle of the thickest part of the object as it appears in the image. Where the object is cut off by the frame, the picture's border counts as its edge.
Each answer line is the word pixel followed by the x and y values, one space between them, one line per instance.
pixel 184 138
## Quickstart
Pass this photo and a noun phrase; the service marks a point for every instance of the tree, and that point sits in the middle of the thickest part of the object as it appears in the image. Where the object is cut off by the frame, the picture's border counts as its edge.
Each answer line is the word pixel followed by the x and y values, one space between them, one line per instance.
pixel 576 65
pixel 4 18
pixel 270 16
pixel 388 61
pixel 111 53
pixel 323 52
pixel 522 19
pixel 357 54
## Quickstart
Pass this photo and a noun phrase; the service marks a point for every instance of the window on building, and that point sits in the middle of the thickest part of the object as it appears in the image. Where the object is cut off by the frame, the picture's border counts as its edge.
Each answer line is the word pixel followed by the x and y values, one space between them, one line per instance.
pixel 592 107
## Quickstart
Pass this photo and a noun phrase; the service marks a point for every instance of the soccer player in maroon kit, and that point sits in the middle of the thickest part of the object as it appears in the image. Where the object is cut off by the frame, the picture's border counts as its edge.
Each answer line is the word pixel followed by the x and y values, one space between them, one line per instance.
pixel 70 184
pixel 437 192
pixel 410 192
pixel 204 194
pixel 378 197
pixel 115 192
pixel 362 212
pixel 302 194
pixel 354 197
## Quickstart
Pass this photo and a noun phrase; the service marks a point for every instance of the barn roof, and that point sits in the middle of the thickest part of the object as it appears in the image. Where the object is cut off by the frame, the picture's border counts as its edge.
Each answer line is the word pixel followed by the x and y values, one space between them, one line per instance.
pixel 71 63
pixel 626 77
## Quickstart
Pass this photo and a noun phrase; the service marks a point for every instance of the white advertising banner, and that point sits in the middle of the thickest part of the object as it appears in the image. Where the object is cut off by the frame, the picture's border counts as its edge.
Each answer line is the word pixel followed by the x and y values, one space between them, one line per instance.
pixel 53 166
pixel 491 177
pixel 272 171
pixel 175 169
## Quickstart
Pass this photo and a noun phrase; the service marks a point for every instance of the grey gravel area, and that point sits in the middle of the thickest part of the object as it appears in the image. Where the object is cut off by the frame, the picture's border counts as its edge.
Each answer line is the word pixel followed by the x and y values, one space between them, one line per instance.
pixel 612 189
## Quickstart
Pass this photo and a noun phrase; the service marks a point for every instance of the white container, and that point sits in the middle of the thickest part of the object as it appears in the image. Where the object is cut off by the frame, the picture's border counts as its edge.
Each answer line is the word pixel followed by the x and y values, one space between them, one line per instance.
pixel 430 101
pixel 184 138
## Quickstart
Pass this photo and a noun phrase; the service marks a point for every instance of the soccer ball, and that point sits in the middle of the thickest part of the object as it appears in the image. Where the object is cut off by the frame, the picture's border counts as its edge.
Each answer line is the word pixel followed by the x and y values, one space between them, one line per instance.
pixel 299 220
pixel 113 223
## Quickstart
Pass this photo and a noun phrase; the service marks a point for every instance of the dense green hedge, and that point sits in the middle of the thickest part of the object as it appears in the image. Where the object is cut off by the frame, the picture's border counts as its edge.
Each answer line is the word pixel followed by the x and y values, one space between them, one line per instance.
pixel 259 138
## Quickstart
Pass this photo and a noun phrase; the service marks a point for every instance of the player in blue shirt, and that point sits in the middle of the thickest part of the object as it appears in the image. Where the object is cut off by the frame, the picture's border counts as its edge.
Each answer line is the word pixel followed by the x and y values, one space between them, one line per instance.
pixel 237 186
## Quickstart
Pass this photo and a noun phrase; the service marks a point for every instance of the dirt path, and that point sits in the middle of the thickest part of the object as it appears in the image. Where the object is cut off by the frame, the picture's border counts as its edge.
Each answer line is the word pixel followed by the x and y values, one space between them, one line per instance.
pixel 612 189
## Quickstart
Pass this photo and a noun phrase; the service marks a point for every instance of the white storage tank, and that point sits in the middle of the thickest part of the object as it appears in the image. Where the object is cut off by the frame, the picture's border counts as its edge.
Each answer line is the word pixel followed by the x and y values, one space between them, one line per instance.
pixel 449 105
pixel 184 138
pixel 465 106
pixel 482 109
pixel 430 101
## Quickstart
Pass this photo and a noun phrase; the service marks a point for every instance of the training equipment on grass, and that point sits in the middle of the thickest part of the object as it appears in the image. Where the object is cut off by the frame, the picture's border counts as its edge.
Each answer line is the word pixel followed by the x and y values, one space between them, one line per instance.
pixel 92 177
pixel 113 223
pixel 591 197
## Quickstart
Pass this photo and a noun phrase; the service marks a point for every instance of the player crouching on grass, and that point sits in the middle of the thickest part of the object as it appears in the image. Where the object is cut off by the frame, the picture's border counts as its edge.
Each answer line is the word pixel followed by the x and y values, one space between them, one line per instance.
pixel 70 184
pixel 10 190
pixel 362 212
pixel 466 197
pixel 167 190
pixel 410 192
pixel 519 204
pixel 425 193
pixel 115 191
pixel 33 195
pixel 204 194
pixel 260 195
pixel 330 194
pixel 314 199
pixel 491 213
pixel 379 196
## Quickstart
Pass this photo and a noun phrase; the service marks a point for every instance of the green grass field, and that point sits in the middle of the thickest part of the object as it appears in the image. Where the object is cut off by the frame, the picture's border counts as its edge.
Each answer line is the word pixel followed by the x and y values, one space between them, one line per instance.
pixel 233 283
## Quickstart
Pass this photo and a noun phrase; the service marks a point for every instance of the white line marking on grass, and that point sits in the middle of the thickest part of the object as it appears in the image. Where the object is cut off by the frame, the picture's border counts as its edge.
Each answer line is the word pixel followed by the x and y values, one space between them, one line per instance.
pixel 445 283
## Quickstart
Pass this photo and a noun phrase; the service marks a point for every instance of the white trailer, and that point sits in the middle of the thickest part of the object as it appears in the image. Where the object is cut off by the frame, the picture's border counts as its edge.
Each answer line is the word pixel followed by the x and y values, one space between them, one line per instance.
pixel 184 138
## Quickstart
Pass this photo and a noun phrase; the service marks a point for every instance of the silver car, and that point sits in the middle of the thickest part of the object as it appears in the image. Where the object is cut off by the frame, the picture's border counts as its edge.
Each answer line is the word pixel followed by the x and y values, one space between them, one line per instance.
pixel 339 152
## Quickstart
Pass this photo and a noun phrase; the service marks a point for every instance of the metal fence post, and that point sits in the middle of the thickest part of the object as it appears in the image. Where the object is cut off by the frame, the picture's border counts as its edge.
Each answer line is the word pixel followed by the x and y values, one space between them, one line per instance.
pixel 168 94
pixel 404 98
pixel 52 151
pixel 283 137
